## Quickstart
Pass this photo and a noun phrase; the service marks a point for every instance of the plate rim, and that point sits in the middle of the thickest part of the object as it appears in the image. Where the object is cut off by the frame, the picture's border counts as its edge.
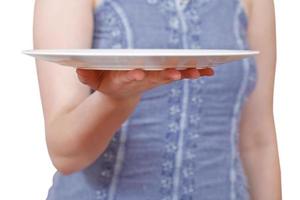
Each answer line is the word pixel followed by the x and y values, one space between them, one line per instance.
pixel 139 52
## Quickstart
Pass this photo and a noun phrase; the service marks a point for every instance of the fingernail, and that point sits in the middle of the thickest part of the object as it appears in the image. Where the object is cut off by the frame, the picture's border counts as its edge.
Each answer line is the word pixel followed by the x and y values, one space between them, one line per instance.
pixel 208 72
pixel 176 76
pixel 137 75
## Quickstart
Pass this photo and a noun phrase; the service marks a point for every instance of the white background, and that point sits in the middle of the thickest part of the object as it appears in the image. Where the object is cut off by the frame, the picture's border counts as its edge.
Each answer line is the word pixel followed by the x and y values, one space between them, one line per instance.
pixel 25 169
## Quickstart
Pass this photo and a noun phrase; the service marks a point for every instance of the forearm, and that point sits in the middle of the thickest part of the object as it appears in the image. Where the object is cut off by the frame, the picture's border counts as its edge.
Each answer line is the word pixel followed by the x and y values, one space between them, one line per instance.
pixel 76 138
pixel 261 164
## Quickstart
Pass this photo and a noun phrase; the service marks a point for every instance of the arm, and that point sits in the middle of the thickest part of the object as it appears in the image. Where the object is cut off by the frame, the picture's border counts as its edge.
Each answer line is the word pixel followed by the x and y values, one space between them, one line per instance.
pixel 79 126
pixel 258 138
pixel 74 120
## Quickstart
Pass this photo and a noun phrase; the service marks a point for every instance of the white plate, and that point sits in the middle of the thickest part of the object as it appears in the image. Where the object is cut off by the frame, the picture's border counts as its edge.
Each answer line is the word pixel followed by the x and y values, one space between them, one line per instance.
pixel 148 59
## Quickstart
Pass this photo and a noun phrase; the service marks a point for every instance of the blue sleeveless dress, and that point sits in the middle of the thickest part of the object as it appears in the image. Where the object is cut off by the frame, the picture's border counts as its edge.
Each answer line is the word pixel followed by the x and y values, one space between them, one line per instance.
pixel 181 143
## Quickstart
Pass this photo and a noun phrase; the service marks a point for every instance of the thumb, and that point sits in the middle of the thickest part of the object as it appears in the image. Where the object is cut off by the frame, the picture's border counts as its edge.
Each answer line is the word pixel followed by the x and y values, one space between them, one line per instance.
pixel 132 75
pixel 91 78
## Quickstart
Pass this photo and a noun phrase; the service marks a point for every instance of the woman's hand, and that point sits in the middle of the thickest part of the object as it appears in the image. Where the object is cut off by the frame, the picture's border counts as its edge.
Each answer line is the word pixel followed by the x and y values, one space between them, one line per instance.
pixel 130 84
pixel 80 125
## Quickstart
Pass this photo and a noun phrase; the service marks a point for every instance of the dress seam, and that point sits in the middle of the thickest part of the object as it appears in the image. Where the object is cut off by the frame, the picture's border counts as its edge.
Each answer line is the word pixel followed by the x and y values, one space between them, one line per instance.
pixel 179 153
pixel 237 106
pixel 119 162
pixel 183 24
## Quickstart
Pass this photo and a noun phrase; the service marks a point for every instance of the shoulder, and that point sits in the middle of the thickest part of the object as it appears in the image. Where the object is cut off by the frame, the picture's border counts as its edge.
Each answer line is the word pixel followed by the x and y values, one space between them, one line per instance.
pixel 251 6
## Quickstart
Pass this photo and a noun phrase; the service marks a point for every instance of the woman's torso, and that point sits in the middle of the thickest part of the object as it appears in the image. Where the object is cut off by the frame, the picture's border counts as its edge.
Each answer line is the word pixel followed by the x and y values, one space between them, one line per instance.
pixel 181 142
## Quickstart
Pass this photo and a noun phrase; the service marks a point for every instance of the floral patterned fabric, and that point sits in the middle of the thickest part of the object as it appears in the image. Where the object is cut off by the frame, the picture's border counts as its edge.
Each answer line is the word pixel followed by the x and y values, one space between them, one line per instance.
pixel 181 143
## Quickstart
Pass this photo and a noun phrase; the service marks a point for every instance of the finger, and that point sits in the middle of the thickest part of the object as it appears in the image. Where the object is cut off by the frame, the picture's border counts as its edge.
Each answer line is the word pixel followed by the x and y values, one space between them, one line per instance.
pixel 84 75
pixel 206 72
pixel 133 75
pixel 191 73
pixel 162 77
pixel 169 73
pixel 92 78
pixel 124 77
pixel 194 73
